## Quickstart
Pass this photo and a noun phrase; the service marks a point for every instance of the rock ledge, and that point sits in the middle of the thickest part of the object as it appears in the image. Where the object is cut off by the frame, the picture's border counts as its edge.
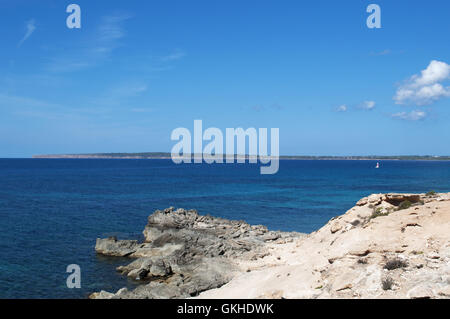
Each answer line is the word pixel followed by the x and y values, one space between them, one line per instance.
pixel 185 253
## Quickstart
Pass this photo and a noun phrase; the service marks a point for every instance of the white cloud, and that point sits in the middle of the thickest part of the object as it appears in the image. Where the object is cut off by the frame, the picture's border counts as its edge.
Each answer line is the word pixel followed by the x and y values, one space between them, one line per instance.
pixel 30 28
pixel 426 87
pixel 368 105
pixel 410 116
pixel 342 108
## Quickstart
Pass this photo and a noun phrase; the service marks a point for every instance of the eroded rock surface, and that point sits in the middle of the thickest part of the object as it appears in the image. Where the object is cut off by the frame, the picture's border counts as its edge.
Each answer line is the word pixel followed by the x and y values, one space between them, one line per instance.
pixel 185 253
pixel 387 246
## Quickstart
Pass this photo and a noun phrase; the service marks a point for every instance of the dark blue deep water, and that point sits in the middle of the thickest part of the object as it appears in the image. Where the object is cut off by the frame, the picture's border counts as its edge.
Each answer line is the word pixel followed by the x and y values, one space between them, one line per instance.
pixel 51 211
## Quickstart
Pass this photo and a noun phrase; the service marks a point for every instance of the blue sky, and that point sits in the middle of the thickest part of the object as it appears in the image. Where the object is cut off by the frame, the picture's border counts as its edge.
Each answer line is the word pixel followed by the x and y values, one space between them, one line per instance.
pixel 136 70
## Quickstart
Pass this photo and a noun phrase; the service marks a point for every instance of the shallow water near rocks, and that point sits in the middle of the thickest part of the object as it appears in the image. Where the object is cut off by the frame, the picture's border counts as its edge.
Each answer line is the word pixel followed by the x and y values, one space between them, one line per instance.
pixel 52 211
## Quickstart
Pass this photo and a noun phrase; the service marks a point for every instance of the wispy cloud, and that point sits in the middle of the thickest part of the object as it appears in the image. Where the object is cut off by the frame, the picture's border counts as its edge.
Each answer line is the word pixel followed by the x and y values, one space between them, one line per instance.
pixel 367 105
pixel 410 116
pixel 381 53
pixel 104 41
pixel 342 108
pixel 426 87
pixel 37 108
pixel 12 100
pixel 119 98
pixel 30 28
pixel 109 32
pixel 178 54
pixel 119 95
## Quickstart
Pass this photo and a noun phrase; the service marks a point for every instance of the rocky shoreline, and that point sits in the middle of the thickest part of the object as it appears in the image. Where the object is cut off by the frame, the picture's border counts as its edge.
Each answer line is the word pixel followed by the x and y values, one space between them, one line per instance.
pixel 185 253
pixel 387 246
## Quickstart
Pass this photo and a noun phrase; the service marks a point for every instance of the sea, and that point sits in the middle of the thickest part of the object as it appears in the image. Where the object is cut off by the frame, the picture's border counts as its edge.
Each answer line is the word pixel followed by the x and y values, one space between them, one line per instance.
pixel 52 210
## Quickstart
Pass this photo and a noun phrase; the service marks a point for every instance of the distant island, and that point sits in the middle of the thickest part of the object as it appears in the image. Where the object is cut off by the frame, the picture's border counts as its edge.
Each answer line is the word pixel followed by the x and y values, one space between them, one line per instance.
pixel 166 155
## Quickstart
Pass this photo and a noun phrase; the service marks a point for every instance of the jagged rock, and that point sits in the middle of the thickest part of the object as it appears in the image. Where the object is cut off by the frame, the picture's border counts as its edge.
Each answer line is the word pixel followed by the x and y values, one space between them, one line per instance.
pixel 336 226
pixel 396 199
pixel 101 295
pixel 113 247
pixel 391 198
pixel 185 253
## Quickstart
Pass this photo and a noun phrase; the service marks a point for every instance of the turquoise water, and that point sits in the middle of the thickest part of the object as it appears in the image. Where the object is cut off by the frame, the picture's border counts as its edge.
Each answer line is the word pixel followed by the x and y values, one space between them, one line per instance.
pixel 51 211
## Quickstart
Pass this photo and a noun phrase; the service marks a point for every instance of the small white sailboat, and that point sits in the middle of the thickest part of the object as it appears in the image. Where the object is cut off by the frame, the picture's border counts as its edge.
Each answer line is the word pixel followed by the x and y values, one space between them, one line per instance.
pixel 378 165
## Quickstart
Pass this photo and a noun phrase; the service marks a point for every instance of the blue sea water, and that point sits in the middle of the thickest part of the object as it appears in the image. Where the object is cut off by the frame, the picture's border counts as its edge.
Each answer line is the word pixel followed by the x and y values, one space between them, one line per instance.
pixel 52 211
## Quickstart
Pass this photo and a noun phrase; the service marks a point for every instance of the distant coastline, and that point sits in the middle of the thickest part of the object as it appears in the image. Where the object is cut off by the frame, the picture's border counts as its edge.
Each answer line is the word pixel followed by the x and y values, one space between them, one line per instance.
pixel 163 155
